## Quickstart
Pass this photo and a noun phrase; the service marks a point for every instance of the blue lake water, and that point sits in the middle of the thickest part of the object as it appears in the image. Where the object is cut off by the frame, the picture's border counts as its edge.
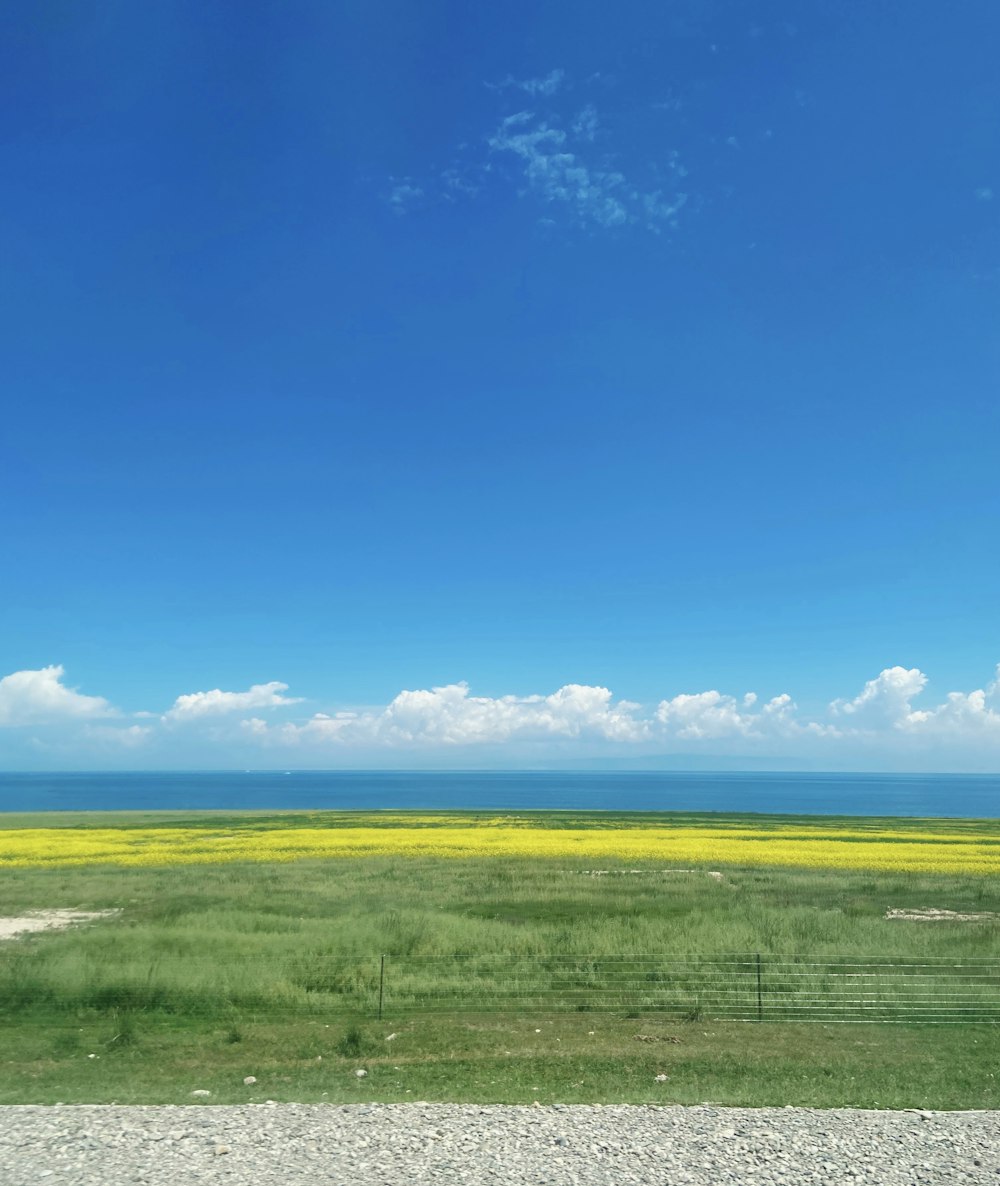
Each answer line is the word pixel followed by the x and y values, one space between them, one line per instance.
pixel 959 795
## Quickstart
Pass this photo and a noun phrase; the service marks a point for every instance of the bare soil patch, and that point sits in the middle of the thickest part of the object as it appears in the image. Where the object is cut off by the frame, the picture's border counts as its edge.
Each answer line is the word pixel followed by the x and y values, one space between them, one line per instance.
pixel 631 872
pixel 48 920
pixel 932 914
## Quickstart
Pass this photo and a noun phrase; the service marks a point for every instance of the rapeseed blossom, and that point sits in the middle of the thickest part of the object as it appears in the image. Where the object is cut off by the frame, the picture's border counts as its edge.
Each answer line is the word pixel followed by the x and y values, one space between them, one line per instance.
pixel 903 850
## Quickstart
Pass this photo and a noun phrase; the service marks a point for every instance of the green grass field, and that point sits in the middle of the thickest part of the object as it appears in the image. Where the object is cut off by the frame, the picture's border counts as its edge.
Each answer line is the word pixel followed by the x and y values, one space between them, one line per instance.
pixel 214 972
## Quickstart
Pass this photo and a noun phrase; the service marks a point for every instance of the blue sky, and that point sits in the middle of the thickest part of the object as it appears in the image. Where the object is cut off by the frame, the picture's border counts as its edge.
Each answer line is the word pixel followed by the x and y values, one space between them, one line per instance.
pixel 376 349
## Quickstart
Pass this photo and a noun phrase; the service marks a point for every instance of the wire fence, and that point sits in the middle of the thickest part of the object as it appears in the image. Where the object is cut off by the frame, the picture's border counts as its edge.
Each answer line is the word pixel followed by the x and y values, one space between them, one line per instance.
pixel 740 987
pixel 752 987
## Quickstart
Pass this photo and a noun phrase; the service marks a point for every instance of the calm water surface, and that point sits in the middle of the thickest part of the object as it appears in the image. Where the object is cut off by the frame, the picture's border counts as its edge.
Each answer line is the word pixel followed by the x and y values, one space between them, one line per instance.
pixel 965 795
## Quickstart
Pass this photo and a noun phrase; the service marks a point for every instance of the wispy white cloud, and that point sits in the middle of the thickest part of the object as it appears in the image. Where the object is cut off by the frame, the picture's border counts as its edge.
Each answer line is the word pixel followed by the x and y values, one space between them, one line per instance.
pixel 195 705
pixel 559 175
pixel 659 208
pixel 403 195
pixel 463 181
pixel 557 153
pixel 547 84
pixel 112 737
pixel 554 169
pixel 585 123
pixel 40 697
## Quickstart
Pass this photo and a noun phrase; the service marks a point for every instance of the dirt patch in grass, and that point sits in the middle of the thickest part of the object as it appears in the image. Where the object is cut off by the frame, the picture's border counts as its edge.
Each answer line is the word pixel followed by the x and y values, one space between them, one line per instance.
pixel 628 872
pixel 931 914
pixel 48 920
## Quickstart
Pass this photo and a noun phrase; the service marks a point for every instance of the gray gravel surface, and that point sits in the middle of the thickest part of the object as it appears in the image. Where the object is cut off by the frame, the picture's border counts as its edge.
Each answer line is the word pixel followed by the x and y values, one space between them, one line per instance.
pixel 293 1144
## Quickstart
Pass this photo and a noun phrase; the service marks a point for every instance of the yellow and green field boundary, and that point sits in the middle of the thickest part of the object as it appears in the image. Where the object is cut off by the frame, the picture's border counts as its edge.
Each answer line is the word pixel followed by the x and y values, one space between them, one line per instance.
pixel 891 846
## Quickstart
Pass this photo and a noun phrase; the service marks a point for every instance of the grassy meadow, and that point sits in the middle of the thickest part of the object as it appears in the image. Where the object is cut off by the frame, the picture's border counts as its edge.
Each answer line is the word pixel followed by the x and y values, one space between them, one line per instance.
pixel 259 953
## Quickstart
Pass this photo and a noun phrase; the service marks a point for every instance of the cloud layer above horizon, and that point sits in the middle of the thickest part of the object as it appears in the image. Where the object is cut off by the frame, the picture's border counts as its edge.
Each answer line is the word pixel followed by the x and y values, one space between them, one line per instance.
pixel 885 721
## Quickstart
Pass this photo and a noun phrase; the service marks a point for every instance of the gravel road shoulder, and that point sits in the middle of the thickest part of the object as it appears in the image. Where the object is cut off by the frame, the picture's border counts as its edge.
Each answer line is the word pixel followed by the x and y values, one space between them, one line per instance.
pixel 390 1144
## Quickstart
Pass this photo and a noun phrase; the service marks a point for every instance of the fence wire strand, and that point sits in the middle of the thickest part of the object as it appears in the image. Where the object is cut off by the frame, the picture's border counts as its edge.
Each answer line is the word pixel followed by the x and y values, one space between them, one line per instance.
pixel 726 986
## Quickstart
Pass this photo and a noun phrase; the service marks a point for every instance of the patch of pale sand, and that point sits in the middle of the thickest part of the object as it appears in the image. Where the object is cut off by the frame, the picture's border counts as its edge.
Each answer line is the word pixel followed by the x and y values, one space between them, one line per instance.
pixel 932 914
pixel 48 920
pixel 619 872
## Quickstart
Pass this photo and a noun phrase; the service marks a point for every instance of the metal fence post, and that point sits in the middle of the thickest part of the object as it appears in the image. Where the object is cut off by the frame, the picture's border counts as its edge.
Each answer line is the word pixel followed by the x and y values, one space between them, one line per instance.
pixel 760 992
pixel 381 985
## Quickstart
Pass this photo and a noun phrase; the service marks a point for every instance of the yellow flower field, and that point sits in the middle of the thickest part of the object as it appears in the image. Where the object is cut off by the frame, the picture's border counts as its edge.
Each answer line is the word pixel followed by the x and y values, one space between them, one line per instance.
pixel 904 850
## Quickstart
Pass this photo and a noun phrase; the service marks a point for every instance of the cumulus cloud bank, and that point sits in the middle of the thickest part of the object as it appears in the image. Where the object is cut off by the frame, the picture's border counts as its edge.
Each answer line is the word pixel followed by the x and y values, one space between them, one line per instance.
pixel 884 700
pixel 449 716
pixel 193 705
pixel 886 703
pixel 40 697
pixel 884 718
